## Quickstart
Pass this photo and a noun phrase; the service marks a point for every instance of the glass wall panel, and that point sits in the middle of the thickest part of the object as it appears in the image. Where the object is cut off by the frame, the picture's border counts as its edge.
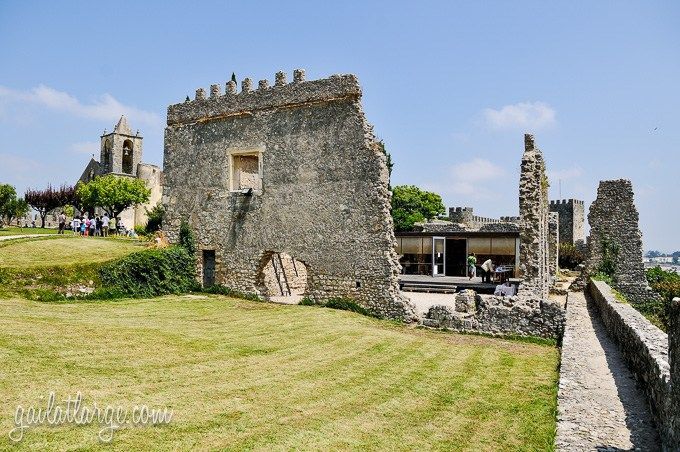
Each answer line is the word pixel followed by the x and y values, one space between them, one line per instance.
pixel 412 245
pixel 479 245
pixel 503 246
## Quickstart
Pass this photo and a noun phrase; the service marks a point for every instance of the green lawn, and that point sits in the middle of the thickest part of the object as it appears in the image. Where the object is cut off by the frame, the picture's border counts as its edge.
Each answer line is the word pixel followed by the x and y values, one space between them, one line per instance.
pixel 13 230
pixel 62 251
pixel 249 375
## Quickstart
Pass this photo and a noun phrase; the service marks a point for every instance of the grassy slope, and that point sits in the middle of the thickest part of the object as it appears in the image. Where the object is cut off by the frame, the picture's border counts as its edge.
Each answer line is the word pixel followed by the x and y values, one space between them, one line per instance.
pixel 67 250
pixel 253 375
pixel 38 266
pixel 13 230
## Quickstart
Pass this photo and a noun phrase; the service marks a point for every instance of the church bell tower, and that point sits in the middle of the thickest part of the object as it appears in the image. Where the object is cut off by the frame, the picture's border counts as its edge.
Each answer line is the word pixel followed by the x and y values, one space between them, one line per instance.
pixel 121 151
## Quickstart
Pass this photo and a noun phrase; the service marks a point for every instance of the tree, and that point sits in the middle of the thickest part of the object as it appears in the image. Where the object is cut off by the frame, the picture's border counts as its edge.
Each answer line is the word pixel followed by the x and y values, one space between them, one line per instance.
pixel 410 204
pixel 16 208
pixel 7 195
pixel 113 193
pixel 653 253
pixel 155 216
pixel 43 201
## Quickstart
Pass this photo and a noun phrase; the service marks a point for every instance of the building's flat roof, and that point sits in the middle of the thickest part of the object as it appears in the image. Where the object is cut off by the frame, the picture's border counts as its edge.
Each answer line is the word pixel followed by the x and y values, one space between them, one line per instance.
pixel 458 234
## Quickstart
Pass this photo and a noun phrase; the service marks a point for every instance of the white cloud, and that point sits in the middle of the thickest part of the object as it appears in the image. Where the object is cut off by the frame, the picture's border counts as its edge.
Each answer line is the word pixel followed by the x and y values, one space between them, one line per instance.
pixel 85 147
pixel 105 107
pixel 469 178
pixel 523 115
pixel 565 174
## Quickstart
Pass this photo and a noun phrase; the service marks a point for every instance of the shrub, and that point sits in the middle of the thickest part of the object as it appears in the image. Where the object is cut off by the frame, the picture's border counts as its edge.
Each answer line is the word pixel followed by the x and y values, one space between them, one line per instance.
pixel 610 257
pixel 667 285
pixel 344 304
pixel 148 273
pixel 570 256
pixel 187 239
pixel 155 216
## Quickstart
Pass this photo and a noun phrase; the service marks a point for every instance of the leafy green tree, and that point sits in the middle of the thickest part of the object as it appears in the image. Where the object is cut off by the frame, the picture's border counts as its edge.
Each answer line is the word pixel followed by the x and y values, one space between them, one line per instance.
pixel 7 195
pixel 410 205
pixel 16 208
pixel 112 193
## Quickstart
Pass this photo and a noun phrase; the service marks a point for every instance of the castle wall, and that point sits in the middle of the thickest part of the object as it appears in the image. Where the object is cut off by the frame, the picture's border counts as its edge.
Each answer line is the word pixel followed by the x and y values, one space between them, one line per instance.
pixel 553 242
pixel 324 197
pixel 533 208
pixel 651 355
pixel 614 231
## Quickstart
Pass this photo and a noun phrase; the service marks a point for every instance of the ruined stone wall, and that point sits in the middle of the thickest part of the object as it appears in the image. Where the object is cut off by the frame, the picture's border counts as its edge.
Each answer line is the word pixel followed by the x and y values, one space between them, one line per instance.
pixel 651 355
pixel 671 427
pixel 572 220
pixel 614 232
pixel 499 316
pixel 533 208
pixel 553 242
pixel 324 197
pixel 153 177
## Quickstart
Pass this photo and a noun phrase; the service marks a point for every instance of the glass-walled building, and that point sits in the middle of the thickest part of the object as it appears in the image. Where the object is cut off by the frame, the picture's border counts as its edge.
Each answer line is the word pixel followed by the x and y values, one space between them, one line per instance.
pixel 444 253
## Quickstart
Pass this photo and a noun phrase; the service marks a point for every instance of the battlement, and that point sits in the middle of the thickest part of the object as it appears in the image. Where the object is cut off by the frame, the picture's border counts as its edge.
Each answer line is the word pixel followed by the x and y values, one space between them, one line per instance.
pixel 566 202
pixel 466 215
pixel 509 219
pixel 282 95
pixel 460 209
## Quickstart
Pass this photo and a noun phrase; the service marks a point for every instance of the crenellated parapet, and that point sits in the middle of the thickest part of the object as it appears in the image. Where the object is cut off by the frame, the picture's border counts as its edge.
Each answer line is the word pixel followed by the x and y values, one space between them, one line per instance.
pixel 282 94
pixel 566 202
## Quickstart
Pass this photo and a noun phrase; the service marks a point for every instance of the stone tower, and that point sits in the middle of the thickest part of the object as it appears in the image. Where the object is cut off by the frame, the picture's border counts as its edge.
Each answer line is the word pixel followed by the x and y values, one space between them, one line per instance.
pixel 572 219
pixel 121 151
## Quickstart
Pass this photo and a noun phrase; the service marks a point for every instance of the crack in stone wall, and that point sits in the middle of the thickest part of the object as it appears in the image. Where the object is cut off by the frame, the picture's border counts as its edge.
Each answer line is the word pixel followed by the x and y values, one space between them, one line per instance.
pixel 324 197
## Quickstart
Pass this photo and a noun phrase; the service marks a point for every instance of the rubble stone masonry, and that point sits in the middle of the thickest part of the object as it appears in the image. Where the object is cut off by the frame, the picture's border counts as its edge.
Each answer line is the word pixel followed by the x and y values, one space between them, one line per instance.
pixel 319 187
pixel 533 209
pixel 616 237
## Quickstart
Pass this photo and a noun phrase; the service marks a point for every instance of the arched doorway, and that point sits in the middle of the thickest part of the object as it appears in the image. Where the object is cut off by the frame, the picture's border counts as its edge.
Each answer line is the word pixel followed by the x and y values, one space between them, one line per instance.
pixel 283 278
pixel 128 152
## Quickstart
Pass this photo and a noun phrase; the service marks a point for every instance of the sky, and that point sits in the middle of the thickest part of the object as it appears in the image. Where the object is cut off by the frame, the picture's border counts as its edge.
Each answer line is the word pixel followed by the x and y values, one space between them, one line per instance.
pixel 450 86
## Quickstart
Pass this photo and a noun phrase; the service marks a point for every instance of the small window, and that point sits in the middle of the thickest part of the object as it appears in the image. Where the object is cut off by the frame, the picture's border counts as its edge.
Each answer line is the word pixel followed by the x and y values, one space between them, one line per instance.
pixel 246 171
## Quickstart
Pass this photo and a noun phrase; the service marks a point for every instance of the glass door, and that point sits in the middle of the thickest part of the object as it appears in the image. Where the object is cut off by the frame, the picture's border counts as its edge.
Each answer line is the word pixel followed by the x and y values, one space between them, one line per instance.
pixel 438 256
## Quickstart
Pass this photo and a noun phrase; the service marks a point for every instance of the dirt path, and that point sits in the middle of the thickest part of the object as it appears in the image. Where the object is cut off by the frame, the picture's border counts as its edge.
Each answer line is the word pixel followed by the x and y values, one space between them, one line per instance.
pixel 599 406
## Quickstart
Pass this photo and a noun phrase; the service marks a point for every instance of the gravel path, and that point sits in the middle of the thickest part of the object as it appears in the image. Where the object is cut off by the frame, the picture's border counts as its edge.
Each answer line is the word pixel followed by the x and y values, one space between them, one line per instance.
pixel 10 237
pixel 599 406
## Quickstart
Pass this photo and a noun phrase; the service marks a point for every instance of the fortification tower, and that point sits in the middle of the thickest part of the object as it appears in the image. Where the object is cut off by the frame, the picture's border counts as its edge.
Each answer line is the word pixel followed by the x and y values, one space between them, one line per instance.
pixel 121 151
pixel 572 219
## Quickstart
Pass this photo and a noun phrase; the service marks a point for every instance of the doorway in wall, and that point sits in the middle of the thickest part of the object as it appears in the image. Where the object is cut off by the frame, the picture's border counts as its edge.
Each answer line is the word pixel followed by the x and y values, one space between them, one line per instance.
pixel 455 257
pixel 208 268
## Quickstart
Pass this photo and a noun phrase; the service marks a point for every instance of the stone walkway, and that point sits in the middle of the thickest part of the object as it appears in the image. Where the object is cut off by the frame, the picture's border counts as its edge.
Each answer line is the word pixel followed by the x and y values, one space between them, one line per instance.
pixel 599 406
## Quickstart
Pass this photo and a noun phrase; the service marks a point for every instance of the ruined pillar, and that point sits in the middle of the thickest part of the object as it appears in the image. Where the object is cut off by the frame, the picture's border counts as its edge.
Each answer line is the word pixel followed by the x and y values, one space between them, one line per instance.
pixel 553 242
pixel 615 240
pixel 533 209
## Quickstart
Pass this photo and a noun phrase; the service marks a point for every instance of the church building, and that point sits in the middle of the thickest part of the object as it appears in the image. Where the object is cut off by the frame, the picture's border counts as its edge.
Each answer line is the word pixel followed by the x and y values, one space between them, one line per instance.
pixel 121 154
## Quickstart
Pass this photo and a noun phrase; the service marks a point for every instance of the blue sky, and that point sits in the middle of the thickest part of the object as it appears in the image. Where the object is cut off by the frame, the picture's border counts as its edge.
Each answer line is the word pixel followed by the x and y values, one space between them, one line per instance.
pixel 449 86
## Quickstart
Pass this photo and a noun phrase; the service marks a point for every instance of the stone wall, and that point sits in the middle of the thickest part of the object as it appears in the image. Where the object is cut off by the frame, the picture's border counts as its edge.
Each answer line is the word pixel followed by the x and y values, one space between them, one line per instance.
pixel 553 242
pixel 494 315
pixel 572 220
pixel 323 197
pixel 614 232
pixel 533 209
pixel 646 351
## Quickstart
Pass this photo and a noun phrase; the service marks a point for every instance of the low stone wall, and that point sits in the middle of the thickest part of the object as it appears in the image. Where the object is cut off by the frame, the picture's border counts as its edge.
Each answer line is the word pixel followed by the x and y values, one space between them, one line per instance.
pixel 499 316
pixel 645 349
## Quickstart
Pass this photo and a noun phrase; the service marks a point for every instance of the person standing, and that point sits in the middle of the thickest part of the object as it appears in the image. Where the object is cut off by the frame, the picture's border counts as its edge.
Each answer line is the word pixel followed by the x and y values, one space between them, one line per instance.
pixel 93 226
pixel 62 223
pixel 83 226
pixel 472 265
pixel 76 225
pixel 487 267
pixel 105 225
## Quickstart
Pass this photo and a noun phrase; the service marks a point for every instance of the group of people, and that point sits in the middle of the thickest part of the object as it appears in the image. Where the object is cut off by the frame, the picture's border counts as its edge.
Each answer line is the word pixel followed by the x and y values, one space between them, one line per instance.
pixel 487 268
pixel 99 226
